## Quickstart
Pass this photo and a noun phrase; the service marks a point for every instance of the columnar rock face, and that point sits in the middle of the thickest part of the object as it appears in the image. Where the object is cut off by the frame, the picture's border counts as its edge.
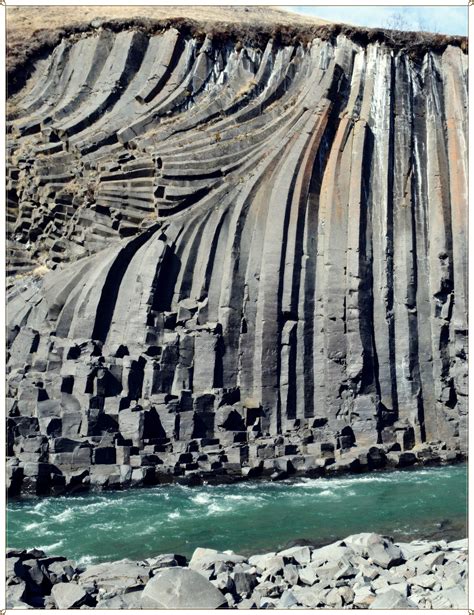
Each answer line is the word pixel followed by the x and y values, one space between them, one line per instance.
pixel 243 242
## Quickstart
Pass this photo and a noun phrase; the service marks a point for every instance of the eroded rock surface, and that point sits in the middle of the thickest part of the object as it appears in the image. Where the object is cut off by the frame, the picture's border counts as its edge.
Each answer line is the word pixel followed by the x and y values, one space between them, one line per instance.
pixel 251 259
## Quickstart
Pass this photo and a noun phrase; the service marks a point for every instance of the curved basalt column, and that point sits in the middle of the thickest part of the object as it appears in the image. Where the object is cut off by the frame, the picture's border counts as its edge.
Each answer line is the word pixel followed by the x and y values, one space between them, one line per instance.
pixel 276 231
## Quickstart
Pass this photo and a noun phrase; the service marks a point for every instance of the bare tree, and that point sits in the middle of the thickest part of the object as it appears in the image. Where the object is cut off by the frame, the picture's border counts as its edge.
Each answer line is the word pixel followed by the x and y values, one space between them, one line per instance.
pixel 397 21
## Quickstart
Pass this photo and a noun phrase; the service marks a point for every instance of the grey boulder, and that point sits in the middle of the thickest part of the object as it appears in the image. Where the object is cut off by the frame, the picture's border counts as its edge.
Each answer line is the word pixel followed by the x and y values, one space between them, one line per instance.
pixel 181 588
pixel 203 559
pixel 116 576
pixel 68 595
pixel 392 599
pixel 385 554
pixel 15 594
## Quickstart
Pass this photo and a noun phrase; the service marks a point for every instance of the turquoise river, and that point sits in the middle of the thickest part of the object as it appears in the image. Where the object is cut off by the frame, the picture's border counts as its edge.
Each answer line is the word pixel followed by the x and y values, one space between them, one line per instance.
pixel 248 518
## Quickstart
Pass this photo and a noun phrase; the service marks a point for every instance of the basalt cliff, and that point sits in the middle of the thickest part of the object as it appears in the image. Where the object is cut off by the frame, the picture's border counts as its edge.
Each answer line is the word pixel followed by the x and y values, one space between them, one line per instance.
pixel 234 255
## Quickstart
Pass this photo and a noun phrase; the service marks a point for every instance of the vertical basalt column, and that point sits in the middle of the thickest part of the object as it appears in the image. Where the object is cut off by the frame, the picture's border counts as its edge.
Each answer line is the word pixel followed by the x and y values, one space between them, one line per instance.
pixel 381 124
pixel 404 255
pixel 455 111
pixel 439 246
pixel 335 190
pixel 295 391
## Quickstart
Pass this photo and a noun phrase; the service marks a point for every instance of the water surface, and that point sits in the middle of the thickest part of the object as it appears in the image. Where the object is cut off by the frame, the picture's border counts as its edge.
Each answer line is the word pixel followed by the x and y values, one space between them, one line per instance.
pixel 247 517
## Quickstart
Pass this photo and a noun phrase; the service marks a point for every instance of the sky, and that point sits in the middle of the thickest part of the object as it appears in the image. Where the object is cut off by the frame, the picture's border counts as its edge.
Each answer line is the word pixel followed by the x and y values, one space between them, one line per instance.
pixel 441 19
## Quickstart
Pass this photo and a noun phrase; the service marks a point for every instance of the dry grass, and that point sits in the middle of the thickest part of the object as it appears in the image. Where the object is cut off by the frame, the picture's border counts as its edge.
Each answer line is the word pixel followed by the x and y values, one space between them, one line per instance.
pixel 38 272
pixel 245 89
pixel 41 270
pixel 24 20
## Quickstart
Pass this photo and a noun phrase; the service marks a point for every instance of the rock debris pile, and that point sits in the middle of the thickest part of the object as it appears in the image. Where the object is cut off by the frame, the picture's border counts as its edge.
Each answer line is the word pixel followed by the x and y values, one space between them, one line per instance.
pixel 226 258
pixel 361 571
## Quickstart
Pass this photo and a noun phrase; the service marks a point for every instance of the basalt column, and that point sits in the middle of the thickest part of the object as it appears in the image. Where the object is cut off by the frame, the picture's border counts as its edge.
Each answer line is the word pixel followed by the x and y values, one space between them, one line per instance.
pixel 207 238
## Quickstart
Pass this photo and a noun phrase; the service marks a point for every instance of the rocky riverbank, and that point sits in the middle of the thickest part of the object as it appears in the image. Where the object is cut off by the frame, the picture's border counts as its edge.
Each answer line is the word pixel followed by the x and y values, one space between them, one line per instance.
pixel 362 571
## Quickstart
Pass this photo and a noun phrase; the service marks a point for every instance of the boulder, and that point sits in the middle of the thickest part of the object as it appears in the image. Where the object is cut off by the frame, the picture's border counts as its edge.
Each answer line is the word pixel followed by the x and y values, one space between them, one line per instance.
pixel 332 552
pixel 119 576
pixel 379 549
pixel 203 559
pixel 287 600
pixel 406 459
pixel 301 555
pixel 308 575
pixel 427 581
pixel 69 595
pixel 327 572
pixel 360 543
pixel 333 598
pixel 347 595
pixel 181 588
pixel 363 597
pixel 167 560
pixel 439 601
pixel 457 597
pixel 310 597
pixel 60 571
pixel 290 574
pixel 385 554
pixel 458 544
pixel 15 595
pixel 367 572
pixel 415 549
pixel 244 582
pixel 376 458
pixel 402 587
pixel 224 582
pixel 36 576
pixel 262 561
pixel 392 599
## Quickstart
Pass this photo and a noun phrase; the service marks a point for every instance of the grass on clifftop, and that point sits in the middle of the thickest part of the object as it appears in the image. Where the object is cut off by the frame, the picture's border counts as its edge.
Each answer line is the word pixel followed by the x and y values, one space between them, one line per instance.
pixel 29 40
